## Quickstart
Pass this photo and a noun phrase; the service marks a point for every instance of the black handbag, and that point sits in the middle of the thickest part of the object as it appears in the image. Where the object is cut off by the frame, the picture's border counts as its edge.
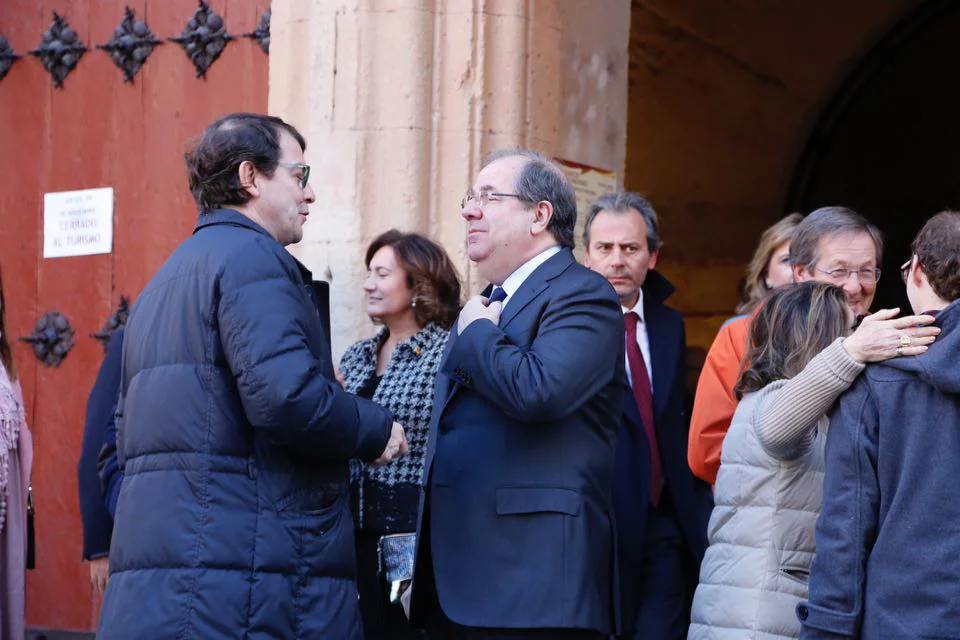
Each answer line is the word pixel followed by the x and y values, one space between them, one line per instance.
pixel 31 535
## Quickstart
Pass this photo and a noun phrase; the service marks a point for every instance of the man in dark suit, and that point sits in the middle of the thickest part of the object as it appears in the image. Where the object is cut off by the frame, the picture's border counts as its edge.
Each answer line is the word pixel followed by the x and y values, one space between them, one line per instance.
pixel 516 532
pixel 661 509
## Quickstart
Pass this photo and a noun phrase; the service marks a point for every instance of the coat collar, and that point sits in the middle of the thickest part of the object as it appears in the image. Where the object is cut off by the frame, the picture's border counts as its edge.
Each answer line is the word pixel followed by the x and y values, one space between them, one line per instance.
pixel 415 346
pixel 234 218
pixel 228 216
pixel 656 288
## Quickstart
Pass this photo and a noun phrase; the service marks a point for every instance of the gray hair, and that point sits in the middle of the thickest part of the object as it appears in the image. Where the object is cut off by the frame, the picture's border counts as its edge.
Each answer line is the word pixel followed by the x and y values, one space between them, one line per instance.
pixel 542 180
pixel 621 202
pixel 823 223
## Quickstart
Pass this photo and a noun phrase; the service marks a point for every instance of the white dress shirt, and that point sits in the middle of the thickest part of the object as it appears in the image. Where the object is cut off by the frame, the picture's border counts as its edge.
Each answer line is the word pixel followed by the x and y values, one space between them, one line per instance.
pixel 515 279
pixel 643 340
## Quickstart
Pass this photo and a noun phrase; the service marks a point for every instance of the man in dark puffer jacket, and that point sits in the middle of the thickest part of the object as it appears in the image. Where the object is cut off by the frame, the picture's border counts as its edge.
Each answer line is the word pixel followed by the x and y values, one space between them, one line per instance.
pixel 233 516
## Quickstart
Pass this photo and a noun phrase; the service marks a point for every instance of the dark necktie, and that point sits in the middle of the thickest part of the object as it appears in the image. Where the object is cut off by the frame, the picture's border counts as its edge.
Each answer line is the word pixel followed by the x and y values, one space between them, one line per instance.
pixel 640 381
pixel 498 295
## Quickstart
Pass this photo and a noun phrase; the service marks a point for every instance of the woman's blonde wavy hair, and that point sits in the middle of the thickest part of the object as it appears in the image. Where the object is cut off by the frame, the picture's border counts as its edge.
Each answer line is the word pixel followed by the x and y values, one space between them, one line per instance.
pixel 755 287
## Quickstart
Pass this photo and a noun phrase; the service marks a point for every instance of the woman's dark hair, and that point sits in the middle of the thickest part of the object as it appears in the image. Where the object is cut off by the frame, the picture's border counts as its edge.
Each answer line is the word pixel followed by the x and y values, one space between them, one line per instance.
pixel 214 160
pixel 937 248
pixel 795 323
pixel 431 276
pixel 5 354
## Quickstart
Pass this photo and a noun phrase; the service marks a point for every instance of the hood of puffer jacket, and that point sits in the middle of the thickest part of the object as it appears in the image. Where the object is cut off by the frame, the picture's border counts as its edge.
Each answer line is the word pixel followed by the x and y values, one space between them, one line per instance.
pixel 940 365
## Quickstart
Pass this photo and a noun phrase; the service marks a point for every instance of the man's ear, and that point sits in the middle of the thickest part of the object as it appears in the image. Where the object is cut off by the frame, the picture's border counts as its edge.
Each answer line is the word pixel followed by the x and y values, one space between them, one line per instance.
pixel 654 256
pixel 800 273
pixel 916 273
pixel 542 215
pixel 248 178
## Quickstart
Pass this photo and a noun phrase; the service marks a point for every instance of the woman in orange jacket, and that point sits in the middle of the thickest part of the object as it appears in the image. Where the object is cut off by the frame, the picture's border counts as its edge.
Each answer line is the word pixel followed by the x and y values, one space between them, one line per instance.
pixel 715 403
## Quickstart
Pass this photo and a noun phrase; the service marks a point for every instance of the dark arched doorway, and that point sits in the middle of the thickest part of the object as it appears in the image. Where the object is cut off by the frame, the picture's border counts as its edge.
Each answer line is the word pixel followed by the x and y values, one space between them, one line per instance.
pixel 888 144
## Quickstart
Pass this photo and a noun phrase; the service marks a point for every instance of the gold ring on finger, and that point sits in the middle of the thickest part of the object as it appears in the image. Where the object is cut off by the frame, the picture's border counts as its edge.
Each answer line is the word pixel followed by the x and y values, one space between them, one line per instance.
pixel 905 340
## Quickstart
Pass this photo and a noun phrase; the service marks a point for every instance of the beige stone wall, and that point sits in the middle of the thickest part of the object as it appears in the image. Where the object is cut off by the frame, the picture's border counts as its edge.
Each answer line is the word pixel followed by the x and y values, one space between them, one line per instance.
pixel 400 100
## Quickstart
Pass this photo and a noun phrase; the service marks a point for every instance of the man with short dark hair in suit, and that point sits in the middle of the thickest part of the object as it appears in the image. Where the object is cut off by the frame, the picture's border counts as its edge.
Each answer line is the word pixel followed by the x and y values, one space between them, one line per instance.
pixel 661 508
pixel 516 532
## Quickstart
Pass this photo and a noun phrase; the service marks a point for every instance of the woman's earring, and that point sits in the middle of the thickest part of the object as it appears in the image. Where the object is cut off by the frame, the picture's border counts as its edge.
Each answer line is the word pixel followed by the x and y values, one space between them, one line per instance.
pixel 413 303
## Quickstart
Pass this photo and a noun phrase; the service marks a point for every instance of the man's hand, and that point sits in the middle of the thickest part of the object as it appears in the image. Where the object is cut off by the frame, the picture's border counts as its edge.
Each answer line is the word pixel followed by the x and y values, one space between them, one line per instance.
pixel 478 308
pixel 396 447
pixel 99 574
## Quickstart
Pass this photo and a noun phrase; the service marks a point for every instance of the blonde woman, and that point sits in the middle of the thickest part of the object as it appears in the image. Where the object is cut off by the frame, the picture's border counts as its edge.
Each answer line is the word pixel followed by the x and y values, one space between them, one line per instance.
pixel 769 488
pixel 770 266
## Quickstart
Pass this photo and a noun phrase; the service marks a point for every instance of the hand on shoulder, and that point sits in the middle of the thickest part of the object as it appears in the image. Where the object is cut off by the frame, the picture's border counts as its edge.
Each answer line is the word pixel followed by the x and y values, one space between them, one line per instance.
pixel 882 336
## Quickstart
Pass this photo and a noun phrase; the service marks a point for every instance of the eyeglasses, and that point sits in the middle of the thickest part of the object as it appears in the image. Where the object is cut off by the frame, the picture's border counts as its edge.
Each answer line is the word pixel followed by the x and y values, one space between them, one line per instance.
pixel 839 276
pixel 484 197
pixel 905 270
pixel 297 166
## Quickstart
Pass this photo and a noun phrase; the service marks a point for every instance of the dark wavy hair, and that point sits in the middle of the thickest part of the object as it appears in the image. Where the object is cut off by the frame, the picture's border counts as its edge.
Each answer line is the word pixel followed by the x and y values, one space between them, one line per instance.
pixel 5 354
pixel 795 323
pixel 937 248
pixel 431 276
pixel 214 160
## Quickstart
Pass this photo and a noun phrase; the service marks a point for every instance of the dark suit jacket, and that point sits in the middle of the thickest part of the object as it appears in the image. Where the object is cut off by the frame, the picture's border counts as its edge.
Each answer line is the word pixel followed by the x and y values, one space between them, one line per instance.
pixel 518 530
pixel 691 497
pixel 101 405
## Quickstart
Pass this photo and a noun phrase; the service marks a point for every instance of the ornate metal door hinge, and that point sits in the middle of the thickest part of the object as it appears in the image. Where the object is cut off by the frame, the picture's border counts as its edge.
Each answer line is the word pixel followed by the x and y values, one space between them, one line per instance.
pixel 60 50
pixel 52 339
pixel 204 38
pixel 114 322
pixel 7 57
pixel 131 45
pixel 262 33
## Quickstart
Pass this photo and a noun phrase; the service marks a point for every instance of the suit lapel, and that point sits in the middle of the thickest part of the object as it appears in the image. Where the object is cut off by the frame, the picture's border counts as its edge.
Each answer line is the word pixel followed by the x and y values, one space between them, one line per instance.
pixel 534 285
pixel 445 386
pixel 663 356
pixel 530 289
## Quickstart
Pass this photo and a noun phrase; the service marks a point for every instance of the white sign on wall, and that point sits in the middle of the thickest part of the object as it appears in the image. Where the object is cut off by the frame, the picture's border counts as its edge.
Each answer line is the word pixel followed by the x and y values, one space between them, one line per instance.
pixel 77 223
pixel 589 183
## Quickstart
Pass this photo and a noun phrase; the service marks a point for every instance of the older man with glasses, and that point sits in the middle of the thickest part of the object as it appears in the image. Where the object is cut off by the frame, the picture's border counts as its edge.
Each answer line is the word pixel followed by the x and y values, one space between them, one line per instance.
pixel 515 536
pixel 833 244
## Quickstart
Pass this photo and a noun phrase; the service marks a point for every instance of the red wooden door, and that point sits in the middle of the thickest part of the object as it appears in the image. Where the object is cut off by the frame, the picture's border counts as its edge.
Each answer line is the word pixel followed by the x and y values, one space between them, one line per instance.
pixel 97 131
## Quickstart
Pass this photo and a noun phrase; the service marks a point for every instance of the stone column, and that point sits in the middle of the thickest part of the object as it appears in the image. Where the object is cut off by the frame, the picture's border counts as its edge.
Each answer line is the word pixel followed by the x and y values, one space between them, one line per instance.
pixel 400 100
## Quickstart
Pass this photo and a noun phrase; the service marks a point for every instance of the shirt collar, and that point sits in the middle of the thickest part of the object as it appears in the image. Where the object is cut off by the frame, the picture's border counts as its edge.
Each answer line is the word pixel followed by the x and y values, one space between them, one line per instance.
pixel 515 279
pixel 637 308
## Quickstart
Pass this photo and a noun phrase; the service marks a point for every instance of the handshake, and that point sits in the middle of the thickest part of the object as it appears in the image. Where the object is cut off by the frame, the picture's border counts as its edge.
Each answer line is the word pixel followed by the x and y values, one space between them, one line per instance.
pixel 396 447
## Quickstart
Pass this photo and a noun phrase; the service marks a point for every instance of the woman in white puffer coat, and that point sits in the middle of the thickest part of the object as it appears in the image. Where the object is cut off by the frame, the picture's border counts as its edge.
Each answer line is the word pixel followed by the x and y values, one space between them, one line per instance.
pixel 770 485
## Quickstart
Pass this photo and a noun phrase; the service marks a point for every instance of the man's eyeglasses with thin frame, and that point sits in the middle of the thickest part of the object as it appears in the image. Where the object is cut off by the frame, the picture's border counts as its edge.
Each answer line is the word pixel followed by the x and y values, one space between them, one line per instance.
pixel 839 276
pixel 905 270
pixel 484 197
pixel 298 166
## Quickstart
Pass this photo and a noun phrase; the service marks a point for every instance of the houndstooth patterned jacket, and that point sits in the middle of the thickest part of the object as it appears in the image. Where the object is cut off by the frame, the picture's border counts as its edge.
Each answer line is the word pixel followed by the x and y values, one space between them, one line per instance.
pixel 406 390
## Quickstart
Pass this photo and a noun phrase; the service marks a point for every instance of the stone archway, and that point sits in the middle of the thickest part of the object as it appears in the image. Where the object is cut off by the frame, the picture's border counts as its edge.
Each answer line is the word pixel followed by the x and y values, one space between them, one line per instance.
pixel 886 143
pixel 722 103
